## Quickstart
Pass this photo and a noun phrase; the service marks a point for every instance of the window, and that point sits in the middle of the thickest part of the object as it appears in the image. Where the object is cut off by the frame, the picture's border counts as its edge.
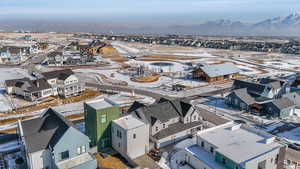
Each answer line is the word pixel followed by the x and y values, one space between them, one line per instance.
pixel 211 149
pixel 223 161
pixel 103 118
pixel 164 126
pixel 119 144
pixel 195 117
pixel 64 155
pixel 134 136
pixel 156 128
pixel 81 150
pixel 119 134
pixel 202 144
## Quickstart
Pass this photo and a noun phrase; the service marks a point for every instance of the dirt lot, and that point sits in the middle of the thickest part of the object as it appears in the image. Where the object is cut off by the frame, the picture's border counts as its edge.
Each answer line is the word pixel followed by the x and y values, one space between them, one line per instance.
pixel 110 162
pixel 111 53
pixel 146 79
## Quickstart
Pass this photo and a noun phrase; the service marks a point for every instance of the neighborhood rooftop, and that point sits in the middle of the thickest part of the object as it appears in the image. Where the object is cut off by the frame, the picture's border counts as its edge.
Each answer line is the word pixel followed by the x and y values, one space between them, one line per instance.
pixel 220 69
pixel 237 142
pixel 129 122
pixel 100 104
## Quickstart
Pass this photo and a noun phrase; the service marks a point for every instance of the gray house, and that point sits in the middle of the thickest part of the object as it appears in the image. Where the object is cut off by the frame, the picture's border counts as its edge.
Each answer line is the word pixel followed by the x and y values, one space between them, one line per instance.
pixel 281 108
pixel 255 89
pixel 51 142
pixel 240 99
pixel 169 121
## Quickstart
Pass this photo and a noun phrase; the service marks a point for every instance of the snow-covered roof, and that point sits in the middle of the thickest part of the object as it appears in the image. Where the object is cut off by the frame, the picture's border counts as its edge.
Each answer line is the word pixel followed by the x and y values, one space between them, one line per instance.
pixel 220 69
pixel 238 142
pixel 129 122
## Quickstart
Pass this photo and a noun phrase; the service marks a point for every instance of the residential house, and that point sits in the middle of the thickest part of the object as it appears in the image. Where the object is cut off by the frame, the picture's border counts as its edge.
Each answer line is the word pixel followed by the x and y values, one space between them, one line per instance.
pixel 216 72
pixel 294 97
pixel 255 89
pixel 280 108
pixel 55 59
pixel 52 142
pixel 130 137
pixel 15 53
pixel 232 146
pixel 98 115
pixel 169 121
pixel 240 99
pixel 64 82
pixel 29 89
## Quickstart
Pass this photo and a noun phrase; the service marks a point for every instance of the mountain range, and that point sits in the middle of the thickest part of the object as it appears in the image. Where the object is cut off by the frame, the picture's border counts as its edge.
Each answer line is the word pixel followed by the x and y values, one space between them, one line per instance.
pixel 277 26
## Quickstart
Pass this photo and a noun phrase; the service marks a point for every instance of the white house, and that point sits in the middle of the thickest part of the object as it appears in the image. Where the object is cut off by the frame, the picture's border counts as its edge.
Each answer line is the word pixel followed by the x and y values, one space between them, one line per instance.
pixel 234 146
pixel 130 137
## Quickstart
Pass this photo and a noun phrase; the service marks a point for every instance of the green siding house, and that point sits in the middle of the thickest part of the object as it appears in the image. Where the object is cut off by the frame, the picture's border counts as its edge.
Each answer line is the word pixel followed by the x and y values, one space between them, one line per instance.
pixel 98 117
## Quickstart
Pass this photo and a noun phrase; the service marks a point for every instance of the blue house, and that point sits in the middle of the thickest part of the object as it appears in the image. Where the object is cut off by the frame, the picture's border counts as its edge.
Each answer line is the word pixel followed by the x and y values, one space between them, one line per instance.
pixel 280 108
pixel 52 142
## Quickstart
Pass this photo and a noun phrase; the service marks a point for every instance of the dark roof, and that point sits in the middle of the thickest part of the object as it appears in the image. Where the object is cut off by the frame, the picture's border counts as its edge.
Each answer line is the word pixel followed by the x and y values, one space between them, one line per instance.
pixel 54 54
pixel 28 85
pixel 283 103
pixel 252 87
pixel 44 131
pixel 60 74
pixel 135 105
pixel 176 128
pixel 276 84
pixel 244 96
pixel 162 110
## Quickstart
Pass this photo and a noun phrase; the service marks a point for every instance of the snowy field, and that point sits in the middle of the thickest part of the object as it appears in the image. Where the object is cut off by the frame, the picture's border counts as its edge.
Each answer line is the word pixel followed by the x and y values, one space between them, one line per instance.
pixel 12 73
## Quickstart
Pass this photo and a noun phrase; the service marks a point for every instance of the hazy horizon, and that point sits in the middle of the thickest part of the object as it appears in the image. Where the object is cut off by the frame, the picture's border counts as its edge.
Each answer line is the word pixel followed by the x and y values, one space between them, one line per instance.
pixel 150 12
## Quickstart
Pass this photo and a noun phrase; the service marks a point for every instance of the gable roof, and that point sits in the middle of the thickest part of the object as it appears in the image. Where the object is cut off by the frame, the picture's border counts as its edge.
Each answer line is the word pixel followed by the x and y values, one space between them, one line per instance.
pixel 276 84
pixel 60 74
pixel 252 88
pixel 244 96
pixel 163 110
pixel 283 103
pixel 44 131
pixel 28 85
pixel 220 69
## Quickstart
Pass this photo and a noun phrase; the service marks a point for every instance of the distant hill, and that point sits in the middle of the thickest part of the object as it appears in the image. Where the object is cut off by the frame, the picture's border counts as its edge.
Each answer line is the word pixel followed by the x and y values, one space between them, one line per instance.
pixel 277 26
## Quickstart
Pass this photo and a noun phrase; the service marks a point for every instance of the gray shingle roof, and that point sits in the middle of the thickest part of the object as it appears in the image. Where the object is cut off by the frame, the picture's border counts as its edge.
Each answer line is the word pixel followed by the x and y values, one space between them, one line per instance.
pixel 244 96
pixel 252 88
pixel 44 131
pixel 283 103
pixel 220 69
pixel 162 110
pixel 175 128
pixel 60 74
pixel 28 85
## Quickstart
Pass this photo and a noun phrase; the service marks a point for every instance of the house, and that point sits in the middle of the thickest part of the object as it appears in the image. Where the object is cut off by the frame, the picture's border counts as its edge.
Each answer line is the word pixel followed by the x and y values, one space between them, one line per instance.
pixel 64 82
pixel 98 115
pixel 294 97
pixel 52 142
pixel 255 89
pixel 216 72
pixel 169 121
pixel 280 108
pixel 29 89
pixel 234 146
pixel 55 58
pixel 15 53
pixel 130 137
pixel 240 99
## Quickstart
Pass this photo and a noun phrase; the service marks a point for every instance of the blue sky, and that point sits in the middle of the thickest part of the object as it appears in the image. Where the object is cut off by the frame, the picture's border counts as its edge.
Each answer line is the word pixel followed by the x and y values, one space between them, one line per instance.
pixel 149 11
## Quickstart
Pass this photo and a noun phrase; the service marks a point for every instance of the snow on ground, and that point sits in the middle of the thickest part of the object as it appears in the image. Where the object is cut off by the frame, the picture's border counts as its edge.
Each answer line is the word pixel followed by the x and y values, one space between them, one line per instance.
pixel 12 73
pixel 5 104
pixel 174 66
pixel 125 49
pixel 162 80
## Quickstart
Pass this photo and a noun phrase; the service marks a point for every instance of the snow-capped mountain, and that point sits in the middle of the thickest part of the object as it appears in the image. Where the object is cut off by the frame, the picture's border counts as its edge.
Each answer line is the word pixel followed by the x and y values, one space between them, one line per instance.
pixel 290 20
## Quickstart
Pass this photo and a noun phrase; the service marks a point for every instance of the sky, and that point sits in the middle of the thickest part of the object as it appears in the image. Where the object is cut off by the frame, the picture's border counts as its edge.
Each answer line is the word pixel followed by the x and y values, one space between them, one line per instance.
pixel 150 12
